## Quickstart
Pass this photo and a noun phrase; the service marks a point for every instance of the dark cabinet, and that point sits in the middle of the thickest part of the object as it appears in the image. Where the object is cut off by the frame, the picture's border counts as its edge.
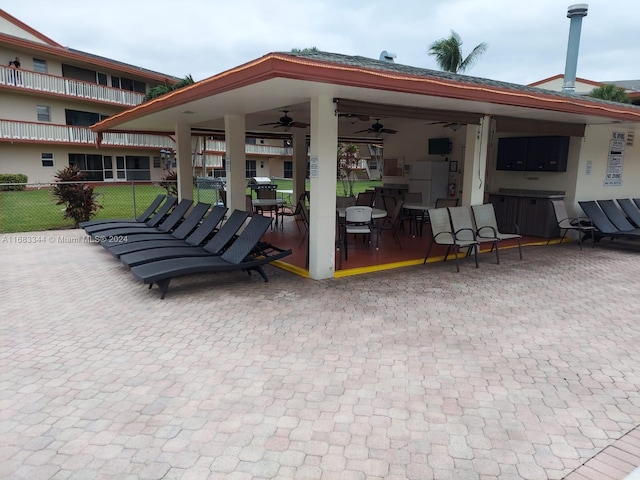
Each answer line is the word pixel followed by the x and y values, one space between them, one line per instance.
pixel 533 216
pixel 533 154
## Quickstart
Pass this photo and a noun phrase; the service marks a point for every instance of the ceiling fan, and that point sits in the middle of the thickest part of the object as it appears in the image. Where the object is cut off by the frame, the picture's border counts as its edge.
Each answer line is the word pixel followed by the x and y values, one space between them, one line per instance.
pixel 355 116
pixel 377 128
pixel 452 125
pixel 286 122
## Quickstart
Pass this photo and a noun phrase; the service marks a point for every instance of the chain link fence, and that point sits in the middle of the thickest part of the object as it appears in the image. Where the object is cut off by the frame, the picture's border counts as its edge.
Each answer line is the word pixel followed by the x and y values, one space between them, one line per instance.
pixel 32 207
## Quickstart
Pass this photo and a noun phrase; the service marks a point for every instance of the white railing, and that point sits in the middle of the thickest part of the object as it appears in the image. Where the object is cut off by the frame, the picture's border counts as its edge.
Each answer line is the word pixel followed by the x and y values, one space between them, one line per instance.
pixel 251 148
pixel 67 86
pixel 49 133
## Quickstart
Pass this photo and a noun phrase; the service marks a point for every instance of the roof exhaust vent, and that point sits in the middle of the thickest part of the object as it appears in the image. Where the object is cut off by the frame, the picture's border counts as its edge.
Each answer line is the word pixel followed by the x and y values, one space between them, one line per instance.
pixel 387 56
pixel 575 14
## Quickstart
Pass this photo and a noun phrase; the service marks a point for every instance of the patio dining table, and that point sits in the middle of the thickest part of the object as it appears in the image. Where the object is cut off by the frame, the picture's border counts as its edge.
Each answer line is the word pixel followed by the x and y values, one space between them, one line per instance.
pixel 417 210
pixel 270 202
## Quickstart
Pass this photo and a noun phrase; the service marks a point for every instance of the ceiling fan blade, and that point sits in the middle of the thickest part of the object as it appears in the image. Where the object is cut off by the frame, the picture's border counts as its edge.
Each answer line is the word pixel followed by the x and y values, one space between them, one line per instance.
pixel 270 123
pixel 366 130
pixel 299 124
pixel 388 130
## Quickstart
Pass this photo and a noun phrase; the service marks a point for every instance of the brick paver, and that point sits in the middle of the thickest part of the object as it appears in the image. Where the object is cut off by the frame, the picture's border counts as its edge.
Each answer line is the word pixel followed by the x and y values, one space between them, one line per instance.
pixel 526 369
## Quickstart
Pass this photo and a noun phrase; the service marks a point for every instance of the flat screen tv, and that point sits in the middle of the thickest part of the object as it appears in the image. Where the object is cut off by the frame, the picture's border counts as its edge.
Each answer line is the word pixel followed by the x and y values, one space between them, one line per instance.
pixel 439 146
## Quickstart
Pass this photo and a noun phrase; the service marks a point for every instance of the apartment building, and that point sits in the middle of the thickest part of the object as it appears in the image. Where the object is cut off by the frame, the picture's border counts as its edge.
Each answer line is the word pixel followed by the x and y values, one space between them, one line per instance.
pixel 50 95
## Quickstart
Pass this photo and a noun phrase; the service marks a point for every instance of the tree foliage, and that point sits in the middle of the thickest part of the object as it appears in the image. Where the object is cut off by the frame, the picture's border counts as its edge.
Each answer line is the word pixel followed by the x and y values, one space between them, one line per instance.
pixel 448 53
pixel 610 92
pixel 348 160
pixel 305 50
pixel 159 90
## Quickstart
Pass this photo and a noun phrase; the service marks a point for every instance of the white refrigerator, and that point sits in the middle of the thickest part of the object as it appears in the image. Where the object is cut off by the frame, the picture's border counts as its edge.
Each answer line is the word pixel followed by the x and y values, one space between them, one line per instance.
pixel 429 178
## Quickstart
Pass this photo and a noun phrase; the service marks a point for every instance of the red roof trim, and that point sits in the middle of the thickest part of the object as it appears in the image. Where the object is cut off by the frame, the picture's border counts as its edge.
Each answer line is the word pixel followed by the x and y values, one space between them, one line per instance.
pixel 560 75
pixel 27 28
pixel 277 65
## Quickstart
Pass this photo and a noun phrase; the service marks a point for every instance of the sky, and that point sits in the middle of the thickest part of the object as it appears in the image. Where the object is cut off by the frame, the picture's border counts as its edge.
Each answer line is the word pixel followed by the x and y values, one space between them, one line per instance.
pixel 527 41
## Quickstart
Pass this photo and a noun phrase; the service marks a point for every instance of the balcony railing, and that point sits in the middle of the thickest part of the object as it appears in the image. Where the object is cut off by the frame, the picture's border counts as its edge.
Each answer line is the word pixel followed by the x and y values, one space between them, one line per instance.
pixel 32 132
pixel 16 131
pixel 42 82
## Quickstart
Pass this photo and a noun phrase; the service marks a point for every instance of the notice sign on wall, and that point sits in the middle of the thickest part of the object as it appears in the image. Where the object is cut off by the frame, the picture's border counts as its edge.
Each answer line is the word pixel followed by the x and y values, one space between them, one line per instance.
pixel 615 160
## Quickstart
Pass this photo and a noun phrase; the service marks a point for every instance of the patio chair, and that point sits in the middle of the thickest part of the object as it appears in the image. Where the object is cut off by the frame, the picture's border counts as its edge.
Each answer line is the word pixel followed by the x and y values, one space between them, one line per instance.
pixel 631 210
pixel 391 222
pixel 296 213
pixel 580 224
pixel 154 221
pixel 167 225
pixel 443 234
pixel 465 229
pixel 194 239
pixel 242 254
pixel 357 221
pixel 487 226
pixel 143 217
pixel 215 246
pixel 180 233
pixel 365 198
pixel 604 226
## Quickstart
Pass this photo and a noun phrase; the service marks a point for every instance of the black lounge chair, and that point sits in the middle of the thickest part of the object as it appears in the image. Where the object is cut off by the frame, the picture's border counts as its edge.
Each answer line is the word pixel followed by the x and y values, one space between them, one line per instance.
pixel 241 255
pixel 181 232
pixel 631 210
pixel 617 217
pixel 143 217
pixel 602 223
pixel 215 246
pixel 154 221
pixel 156 240
pixel 167 225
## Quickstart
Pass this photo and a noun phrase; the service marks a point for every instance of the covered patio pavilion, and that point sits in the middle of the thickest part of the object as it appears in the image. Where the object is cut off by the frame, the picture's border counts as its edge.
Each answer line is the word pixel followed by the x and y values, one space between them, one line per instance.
pixel 326 91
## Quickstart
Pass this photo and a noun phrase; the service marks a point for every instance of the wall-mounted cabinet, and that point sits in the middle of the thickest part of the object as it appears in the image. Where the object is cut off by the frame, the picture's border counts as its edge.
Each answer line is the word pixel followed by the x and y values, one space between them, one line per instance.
pixel 533 154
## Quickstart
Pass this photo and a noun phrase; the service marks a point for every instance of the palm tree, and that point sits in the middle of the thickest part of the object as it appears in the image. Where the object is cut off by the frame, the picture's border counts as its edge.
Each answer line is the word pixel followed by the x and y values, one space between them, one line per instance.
pixel 448 53
pixel 610 92
pixel 163 89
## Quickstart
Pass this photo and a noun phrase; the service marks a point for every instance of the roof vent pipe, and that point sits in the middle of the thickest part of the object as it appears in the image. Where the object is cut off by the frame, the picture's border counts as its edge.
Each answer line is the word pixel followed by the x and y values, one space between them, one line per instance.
pixel 575 14
pixel 387 56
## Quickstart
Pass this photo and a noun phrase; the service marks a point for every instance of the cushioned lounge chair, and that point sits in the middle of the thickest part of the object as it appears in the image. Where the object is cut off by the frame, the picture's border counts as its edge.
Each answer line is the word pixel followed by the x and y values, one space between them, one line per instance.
pixel 167 225
pixel 154 221
pixel 193 221
pixel 143 217
pixel 215 246
pixel 604 226
pixel 241 255
pixel 631 210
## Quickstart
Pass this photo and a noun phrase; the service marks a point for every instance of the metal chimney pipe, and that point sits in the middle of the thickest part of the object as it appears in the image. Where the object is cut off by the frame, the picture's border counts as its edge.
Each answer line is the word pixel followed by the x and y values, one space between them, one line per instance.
pixel 575 13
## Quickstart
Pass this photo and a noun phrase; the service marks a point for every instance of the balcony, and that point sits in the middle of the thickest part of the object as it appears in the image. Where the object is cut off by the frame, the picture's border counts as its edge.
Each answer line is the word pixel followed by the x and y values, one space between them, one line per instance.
pixel 31 132
pixel 40 82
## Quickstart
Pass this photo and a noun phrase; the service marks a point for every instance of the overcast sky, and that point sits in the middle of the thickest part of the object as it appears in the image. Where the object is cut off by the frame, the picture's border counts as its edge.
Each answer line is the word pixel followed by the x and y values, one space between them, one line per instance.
pixel 527 40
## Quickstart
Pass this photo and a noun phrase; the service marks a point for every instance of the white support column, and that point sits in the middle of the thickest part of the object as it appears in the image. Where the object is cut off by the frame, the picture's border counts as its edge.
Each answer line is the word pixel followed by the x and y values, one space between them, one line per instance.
pixel 234 133
pixel 184 167
pixel 475 162
pixel 299 163
pixel 324 146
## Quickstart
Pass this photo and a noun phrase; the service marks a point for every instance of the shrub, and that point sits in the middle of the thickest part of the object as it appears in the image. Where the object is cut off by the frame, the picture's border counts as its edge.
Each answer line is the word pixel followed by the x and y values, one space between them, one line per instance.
pixel 12 178
pixel 170 182
pixel 81 203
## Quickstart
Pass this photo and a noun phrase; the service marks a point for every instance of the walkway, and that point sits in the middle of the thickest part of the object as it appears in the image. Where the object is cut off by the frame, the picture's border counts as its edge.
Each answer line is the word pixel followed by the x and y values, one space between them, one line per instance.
pixel 524 370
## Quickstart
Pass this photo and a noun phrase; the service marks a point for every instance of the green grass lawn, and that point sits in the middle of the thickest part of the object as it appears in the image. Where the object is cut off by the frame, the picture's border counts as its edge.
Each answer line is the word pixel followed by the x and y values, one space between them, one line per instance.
pixel 36 210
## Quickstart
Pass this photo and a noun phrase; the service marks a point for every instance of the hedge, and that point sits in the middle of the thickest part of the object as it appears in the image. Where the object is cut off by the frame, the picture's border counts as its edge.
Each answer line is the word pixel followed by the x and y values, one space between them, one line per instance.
pixel 12 178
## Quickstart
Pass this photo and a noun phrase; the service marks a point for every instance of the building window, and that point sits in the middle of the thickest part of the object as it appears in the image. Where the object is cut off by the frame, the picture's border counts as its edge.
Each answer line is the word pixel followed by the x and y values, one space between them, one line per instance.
pixel 137 168
pixel 102 78
pixel 156 162
pixel 47 159
pixel 82 119
pixel 40 65
pixel 44 113
pixel 288 169
pixel 251 168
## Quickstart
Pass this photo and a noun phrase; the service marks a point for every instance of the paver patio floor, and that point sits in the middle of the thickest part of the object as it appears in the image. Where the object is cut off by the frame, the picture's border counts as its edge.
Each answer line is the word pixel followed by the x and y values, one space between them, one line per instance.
pixel 523 370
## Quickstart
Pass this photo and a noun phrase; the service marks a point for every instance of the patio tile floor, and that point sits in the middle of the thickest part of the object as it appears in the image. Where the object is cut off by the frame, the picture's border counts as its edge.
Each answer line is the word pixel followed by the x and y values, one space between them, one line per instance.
pixel 525 370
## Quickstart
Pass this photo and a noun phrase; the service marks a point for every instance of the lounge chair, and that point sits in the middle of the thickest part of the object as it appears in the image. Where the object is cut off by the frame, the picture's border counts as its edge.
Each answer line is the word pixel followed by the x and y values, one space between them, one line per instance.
pixel 631 210
pixel 182 231
pixel 215 246
pixel 604 226
pixel 180 234
pixel 487 225
pixel 617 217
pixel 154 221
pixel 167 225
pixel 443 234
pixel 143 217
pixel 241 255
